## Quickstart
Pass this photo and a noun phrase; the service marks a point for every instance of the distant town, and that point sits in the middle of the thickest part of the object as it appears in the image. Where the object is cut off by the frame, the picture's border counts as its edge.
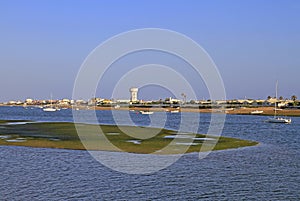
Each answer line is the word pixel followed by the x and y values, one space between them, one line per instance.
pixel 280 102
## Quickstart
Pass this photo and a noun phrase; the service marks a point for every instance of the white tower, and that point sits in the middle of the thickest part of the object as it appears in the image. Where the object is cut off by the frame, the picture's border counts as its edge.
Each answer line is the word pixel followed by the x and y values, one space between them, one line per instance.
pixel 133 92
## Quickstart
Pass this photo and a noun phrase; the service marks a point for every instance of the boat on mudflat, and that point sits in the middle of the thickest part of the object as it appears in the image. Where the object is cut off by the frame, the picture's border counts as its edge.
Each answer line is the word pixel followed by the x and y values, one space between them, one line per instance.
pixel 257 112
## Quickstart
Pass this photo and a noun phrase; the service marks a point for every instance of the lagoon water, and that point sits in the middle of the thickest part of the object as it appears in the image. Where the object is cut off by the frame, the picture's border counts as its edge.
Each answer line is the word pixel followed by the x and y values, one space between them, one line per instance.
pixel 269 171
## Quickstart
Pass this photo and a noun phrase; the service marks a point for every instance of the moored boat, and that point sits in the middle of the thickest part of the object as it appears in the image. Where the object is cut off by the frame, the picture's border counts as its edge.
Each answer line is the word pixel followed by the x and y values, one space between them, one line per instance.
pixel 276 119
pixel 146 112
pixel 49 109
pixel 279 120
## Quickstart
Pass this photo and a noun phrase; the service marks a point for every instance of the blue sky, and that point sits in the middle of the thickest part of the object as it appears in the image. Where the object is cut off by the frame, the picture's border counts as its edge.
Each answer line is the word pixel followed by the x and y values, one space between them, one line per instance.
pixel 253 43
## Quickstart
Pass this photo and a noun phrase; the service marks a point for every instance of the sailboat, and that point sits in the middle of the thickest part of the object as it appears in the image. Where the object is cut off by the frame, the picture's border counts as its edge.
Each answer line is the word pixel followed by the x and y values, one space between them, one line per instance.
pixel 50 109
pixel 276 119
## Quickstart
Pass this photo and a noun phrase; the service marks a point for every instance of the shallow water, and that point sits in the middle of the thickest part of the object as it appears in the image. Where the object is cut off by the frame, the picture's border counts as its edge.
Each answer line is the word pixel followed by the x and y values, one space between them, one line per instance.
pixel 269 171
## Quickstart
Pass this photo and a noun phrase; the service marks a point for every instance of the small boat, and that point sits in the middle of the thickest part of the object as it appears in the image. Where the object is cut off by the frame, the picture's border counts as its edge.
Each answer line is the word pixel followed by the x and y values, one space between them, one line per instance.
pixel 146 112
pixel 276 119
pixel 49 109
pixel 279 120
pixel 174 111
pixel 257 112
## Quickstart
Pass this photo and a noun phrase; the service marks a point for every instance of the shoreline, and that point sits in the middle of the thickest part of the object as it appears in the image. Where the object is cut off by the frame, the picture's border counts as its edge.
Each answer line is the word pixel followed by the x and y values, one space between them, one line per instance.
pixel 266 111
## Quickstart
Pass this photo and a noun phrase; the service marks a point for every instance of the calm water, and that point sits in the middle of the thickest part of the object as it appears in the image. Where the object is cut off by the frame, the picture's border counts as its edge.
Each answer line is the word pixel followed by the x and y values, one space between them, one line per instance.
pixel 269 171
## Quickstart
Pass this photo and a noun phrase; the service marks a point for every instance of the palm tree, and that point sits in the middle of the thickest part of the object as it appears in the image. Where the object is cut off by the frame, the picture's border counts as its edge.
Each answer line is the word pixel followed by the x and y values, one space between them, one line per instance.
pixel 280 98
pixel 269 97
pixel 294 98
pixel 184 97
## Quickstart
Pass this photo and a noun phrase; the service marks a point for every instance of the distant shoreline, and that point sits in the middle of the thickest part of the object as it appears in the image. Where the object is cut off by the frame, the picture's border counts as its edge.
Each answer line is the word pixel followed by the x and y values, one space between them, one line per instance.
pixel 266 111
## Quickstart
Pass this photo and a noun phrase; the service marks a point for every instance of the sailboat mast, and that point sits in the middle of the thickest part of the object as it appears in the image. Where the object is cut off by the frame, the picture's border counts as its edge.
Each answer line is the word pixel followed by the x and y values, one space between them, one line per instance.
pixel 275 113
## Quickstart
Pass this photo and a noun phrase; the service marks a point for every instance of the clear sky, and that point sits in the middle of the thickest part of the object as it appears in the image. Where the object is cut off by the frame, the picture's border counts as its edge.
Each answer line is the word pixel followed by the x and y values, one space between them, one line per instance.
pixel 253 42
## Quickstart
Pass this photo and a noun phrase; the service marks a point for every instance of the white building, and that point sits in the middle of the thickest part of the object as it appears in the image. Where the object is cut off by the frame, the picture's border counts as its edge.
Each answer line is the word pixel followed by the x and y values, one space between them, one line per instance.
pixel 134 93
pixel 28 101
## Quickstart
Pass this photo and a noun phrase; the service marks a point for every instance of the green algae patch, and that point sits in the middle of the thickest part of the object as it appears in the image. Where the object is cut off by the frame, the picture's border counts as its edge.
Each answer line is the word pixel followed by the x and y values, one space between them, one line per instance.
pixel 133 139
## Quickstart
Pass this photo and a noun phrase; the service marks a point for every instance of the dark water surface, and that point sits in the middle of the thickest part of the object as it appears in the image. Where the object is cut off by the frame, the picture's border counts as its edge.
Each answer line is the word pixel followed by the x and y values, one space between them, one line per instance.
pixel 269 171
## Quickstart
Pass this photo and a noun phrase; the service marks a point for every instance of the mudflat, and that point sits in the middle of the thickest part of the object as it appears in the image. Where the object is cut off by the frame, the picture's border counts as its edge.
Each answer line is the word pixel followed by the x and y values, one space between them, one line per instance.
pixel 143 140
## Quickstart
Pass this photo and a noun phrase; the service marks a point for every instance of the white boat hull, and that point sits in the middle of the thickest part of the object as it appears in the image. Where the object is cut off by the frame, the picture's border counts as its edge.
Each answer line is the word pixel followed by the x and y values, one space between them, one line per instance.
pixel 257 112
pixel 49 109
pixel 146 112
pixel 279 120
pixel 276 119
